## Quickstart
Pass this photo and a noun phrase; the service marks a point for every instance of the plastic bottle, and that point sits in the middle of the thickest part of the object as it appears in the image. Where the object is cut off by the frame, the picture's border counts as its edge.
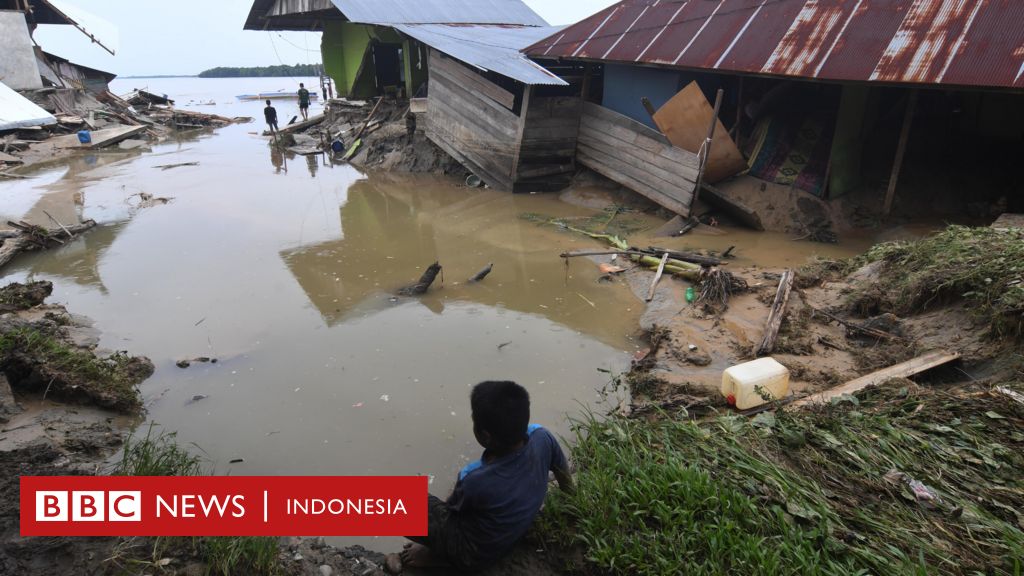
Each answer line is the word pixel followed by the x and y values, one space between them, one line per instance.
pixel 690 295
pixel 752 384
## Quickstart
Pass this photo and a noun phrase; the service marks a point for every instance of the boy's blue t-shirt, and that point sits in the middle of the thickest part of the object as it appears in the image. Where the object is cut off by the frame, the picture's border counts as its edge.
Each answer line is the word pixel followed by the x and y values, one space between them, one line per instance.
pixel 496 502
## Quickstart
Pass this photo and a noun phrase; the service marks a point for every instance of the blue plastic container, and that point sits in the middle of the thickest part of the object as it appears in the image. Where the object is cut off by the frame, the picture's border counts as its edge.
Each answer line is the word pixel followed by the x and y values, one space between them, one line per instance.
pixel 85 137
pixel 337 146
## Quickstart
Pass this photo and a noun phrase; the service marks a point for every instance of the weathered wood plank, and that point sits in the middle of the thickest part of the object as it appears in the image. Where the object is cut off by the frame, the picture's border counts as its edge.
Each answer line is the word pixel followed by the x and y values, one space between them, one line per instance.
pixel 664 169
pixel 472 109
pixel 902 370
pixel 459 73
pixel 609 167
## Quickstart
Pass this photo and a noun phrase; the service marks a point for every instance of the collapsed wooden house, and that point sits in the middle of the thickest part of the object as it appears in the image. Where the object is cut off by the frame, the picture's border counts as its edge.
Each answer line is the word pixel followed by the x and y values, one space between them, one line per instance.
pixel 507 119
pixel 826 98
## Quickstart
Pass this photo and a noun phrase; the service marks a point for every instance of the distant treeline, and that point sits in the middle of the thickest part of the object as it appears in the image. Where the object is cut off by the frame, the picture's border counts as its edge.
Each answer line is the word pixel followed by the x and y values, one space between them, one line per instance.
pixel 262 71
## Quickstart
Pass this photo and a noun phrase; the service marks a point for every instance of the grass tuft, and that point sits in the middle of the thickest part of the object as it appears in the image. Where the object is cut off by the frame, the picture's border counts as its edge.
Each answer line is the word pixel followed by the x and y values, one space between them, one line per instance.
pixel 156 455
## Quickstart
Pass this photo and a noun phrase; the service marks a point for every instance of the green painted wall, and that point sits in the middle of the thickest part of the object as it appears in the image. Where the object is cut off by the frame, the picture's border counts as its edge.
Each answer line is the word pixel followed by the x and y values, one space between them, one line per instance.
pixel 344 47
pixel 346 58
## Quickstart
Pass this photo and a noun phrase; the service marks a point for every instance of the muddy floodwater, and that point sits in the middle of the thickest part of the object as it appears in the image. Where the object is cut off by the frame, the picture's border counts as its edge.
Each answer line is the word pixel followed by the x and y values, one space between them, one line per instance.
pixel 283 270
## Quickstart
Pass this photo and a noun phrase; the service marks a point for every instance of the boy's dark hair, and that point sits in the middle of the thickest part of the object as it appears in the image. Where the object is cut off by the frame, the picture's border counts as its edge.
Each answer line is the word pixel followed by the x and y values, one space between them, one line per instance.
pixel 502 409
pixel 268 102
pixel 301 85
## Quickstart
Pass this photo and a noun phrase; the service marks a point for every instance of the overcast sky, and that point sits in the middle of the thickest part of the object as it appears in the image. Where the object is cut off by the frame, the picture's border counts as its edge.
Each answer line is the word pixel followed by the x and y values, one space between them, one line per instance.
pixel 189 36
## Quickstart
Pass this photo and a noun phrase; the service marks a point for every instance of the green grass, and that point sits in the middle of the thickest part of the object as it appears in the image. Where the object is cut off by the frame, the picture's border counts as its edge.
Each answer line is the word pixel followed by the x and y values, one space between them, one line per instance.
pixel 80 370
pixel 983 266
pixel 156 455
pixel 803 493
pixel 159 454
pixel 229 556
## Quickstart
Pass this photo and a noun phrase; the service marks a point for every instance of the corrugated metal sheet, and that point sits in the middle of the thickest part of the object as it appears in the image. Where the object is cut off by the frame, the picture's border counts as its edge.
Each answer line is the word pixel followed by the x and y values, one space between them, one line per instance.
pixel 439 12
pixel 488 47
pixel 949 42
pixel 16 111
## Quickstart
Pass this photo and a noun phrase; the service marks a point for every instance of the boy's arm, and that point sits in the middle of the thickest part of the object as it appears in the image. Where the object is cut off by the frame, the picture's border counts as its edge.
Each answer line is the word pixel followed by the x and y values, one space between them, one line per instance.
pixel 564 479
pixel 560 467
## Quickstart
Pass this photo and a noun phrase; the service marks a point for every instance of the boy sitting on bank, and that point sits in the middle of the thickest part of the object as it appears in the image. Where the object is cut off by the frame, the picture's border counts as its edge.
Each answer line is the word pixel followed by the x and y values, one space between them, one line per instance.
pixel 496 497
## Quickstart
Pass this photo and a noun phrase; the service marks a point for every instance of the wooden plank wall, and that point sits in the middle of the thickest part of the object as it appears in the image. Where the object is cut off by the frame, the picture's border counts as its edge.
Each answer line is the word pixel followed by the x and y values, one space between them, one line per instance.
pixel 637 157
pixel 470 119
pixel 286 7
pixel 547 150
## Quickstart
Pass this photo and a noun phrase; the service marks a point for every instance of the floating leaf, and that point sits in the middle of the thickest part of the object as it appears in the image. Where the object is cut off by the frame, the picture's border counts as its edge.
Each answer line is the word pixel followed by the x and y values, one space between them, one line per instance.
pixel 995 415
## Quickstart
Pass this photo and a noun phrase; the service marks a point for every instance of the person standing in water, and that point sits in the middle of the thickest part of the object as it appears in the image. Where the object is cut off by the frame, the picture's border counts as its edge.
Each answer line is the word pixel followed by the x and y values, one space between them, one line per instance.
pixel 270 113
pixel 304 101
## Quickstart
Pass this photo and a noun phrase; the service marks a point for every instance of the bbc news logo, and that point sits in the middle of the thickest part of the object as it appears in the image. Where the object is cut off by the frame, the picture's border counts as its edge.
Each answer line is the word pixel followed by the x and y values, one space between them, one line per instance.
pixel 88 506
pixel 223 506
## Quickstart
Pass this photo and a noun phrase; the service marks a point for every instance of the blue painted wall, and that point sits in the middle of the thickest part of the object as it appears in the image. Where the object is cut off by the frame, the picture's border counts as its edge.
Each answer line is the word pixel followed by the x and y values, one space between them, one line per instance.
pixel 625 85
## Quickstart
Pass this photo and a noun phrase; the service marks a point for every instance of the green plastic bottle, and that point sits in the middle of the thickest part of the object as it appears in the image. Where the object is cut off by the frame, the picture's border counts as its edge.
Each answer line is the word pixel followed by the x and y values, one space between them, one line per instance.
pixel 690 295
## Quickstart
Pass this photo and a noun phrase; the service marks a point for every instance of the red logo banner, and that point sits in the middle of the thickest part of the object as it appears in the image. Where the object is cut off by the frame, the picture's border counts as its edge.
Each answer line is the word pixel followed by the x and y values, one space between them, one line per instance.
pixel 223 506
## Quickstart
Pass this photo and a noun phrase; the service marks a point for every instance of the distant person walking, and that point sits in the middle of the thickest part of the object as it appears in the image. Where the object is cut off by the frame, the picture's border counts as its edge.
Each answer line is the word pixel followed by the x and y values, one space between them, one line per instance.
pixel 304 101
pixel 270 113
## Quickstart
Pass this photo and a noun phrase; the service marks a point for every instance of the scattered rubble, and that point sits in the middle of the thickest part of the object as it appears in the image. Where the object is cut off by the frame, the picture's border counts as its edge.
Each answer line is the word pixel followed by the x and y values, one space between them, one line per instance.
pixel 374 135
pixel 88 122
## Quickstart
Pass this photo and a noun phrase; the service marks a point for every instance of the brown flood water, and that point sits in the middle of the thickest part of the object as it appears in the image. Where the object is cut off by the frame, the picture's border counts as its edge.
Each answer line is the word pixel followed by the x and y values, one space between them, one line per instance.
pixel 286 277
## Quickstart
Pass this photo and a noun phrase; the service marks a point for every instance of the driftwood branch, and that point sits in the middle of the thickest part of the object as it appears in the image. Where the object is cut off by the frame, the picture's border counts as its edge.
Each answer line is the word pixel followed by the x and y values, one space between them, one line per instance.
pixel 31 237
pixel 879 334
pixel 689 257
pixel 778 312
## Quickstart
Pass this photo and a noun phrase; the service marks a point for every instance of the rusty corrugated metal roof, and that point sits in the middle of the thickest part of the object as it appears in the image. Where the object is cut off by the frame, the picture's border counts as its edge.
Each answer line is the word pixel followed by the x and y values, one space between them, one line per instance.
pixel 948 42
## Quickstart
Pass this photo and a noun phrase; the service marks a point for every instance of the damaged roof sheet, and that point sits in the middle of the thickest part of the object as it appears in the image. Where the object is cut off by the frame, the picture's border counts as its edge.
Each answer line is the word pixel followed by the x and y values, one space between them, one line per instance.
pixel 941 42
pixel 16 111
pixel 439 12
pixel 488 47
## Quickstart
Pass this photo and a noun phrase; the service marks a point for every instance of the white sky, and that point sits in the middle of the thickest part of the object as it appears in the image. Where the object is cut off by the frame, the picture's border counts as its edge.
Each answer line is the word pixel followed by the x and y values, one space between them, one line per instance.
pixel 189 36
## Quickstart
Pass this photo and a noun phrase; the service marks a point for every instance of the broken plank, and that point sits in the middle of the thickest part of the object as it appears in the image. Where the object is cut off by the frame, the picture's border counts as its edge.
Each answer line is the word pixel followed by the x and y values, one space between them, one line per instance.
pixel 906 369
pixel 778 312
pixel 657 277
pixel 1011 394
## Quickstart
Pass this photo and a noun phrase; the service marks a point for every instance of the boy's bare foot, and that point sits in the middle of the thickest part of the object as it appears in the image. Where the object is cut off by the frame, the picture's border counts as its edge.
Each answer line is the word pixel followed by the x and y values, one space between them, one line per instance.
pixel 419 556
pixel 393 564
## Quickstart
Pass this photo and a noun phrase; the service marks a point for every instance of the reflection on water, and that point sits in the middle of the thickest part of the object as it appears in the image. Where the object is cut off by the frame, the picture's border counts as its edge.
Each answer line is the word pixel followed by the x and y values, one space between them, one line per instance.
pixel 393 228
pixel 79 261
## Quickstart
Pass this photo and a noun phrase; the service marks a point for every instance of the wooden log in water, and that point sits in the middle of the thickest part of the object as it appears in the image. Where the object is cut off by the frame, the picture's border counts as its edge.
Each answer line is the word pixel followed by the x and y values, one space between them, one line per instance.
pixel 423 284
pixel 481 274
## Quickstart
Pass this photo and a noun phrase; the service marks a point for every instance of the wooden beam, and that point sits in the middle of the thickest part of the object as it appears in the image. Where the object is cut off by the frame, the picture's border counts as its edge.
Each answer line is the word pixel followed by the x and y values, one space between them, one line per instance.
pixel 902 370
pixel 901 150
pixel 524 110
pixel 707 145
pixel 777 313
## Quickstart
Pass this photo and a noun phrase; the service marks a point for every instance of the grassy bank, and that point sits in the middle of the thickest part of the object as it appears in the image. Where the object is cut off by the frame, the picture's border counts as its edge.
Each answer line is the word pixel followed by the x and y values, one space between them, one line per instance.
pixel 983 266
pixel 61 370
pixel 832 492
pixel 160 454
